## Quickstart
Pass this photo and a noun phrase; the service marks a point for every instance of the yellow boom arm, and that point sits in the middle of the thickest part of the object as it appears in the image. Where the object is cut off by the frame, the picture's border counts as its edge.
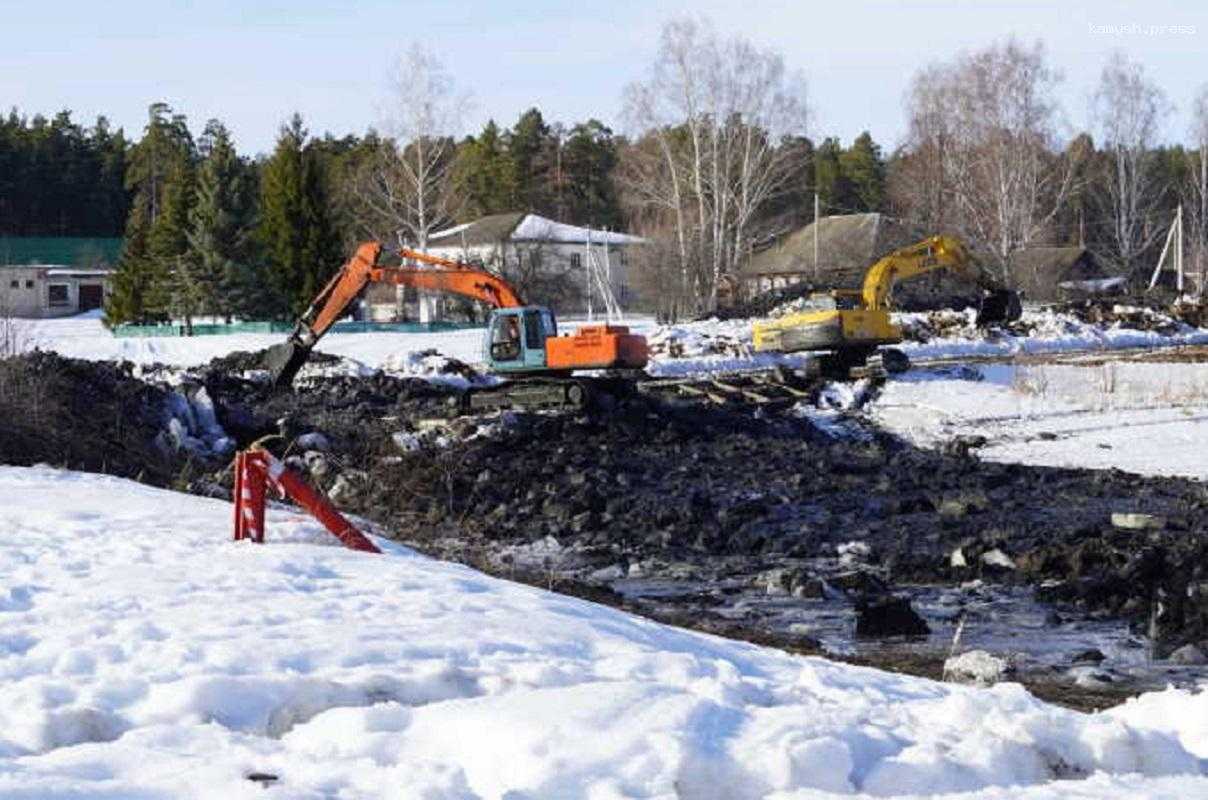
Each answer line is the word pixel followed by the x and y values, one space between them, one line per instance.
pixel 936 252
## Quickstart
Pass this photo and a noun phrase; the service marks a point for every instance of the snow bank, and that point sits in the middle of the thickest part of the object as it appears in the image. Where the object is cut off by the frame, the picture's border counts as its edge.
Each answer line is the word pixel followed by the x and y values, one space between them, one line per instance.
pixel 142 654
pixel 1039 331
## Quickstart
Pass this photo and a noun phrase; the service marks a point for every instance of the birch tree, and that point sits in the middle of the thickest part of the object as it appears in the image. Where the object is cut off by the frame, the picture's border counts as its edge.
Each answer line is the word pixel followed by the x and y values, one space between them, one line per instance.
pixel 404 188
pixel 986 129
pixel 1196 191
pixel 708 119
pixel 1128 110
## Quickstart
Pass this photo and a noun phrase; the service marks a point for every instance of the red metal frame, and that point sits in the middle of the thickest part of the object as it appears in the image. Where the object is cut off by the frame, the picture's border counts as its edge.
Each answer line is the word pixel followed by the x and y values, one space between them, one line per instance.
pixel 253 471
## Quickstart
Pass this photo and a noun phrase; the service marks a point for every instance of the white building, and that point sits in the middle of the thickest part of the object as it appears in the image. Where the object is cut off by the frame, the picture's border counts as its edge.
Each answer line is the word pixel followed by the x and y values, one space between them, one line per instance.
pixel 42 290
pixel 567 267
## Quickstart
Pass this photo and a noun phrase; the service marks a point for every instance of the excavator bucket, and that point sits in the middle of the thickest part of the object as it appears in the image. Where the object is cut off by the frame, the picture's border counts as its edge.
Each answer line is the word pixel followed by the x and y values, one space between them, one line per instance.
pixel 283 362
pixel 999 306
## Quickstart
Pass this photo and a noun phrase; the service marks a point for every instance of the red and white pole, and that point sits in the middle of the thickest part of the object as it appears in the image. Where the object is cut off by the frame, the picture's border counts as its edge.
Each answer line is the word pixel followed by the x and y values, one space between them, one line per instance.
pixel 253 470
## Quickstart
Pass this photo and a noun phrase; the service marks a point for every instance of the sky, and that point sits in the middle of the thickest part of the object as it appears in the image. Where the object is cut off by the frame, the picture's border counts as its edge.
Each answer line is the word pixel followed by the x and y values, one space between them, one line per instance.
pixel 251 64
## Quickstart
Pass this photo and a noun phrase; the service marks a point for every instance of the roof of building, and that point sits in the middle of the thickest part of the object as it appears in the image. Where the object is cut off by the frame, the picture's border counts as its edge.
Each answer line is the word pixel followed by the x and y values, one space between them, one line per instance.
pixel 76 251
pixel 521 227
pixel 1061 263
pixel 847 245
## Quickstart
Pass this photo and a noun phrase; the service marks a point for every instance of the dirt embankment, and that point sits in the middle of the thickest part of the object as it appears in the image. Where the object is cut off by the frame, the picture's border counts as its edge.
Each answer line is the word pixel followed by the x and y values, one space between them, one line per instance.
pixel 721 495
pixel 84 415
pixel 726 500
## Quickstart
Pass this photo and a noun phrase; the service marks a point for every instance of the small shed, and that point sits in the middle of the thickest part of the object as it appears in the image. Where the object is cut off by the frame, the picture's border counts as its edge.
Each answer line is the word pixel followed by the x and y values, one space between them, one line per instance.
pixel 1054 272
pixel 41 291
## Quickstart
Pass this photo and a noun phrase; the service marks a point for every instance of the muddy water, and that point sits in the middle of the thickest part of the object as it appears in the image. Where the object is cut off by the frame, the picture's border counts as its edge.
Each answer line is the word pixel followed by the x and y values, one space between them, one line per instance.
pixel 1073 657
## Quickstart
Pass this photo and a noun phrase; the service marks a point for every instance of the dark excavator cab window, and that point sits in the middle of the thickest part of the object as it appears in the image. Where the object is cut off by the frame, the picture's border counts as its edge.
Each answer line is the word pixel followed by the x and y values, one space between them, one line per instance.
pixel 534 337
pixel 505 338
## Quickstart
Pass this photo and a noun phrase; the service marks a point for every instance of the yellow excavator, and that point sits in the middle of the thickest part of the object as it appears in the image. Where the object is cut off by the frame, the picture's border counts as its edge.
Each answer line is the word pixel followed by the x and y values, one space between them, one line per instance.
pixel 852 327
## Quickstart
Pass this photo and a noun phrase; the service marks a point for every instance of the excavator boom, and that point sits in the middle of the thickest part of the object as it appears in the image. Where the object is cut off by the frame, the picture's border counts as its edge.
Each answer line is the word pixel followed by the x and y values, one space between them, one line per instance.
pixel 937 253
pixel 333 300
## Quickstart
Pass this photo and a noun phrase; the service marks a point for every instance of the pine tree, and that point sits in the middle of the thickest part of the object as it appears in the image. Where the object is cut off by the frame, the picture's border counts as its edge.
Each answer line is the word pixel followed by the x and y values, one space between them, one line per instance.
pixel 864 167
pixel 175 293
pixel 530 146
pixel 160 173
pixel 584 169
pixel 485 174
pixel 300 245
pixel 834 188
pixel 218 222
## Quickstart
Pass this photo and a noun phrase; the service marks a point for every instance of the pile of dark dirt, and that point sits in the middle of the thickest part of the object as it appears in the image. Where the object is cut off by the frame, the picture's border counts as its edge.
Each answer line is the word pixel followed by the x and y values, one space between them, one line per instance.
pixel 241 361
pixel 732 498
pixel 651 485
pixel 87 415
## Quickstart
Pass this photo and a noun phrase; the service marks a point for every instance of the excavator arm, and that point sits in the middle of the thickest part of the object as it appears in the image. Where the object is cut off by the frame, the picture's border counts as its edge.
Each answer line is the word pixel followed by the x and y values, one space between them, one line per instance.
pixel 333 300
pixel 929 255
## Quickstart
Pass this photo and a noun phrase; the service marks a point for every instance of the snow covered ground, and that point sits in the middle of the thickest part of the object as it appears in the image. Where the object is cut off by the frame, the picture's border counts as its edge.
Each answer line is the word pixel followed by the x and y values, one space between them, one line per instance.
pixel 1145 417
pixel 709 346
pixel 1047 332
pixel 143 655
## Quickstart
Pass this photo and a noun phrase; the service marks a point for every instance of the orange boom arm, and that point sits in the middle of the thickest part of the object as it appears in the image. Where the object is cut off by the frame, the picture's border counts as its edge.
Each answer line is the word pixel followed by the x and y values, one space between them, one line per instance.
pixel 361 270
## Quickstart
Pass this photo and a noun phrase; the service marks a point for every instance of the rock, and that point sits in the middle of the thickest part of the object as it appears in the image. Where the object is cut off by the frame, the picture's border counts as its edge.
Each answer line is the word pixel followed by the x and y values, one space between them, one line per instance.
pixel 347 487
pixel 1188 655
pixel 1137 522
pixel 586 521
pixel 889 616
pixel 793 581
pixel 997 558
pixel 957 559
pixel 809 589
pixel 853 553
pixel 1092 656
pixel 407 442
pixel 313 441
pixel 615 572
pixel 316 463
pixel 953 509
pixel 857 582
pixel 976 668
pixel 961 445
pixel 774 581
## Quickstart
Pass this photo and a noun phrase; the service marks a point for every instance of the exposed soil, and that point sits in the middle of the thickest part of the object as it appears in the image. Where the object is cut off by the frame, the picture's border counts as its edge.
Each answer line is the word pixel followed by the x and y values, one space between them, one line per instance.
pixel 715 495
pixel 726 519
pixel 84 415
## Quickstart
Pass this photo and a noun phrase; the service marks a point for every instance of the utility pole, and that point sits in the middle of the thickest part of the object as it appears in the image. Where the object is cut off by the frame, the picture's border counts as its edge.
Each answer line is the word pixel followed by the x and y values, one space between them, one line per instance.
pixel 587 273
pixel 1178 253
pixel 1173 237
pixel 817 223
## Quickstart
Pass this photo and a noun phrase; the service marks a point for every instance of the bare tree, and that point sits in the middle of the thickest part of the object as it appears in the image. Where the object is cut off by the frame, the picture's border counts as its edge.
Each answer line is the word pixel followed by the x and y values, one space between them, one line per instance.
pixel 708 120
pixel 1196 190
pixel 984 139
pixel 1128 110
pixel 406 186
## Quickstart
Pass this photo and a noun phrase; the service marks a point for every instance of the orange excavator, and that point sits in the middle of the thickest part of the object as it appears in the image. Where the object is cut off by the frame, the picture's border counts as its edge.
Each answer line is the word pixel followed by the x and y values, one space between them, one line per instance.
pixel 521 343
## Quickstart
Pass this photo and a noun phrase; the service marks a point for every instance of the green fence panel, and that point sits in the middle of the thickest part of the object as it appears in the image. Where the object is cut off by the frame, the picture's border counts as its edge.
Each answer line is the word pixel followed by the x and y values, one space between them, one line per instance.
pixel 207 329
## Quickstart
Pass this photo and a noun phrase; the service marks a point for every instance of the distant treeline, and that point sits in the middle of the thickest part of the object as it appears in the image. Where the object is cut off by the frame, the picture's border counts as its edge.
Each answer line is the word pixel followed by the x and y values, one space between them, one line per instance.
pixel 212 232
pixel 717 166
pixel 58 178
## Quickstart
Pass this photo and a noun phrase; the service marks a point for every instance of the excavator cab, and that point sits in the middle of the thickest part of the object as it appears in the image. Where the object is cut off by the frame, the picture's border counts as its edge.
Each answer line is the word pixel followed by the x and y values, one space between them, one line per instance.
pixel 515 339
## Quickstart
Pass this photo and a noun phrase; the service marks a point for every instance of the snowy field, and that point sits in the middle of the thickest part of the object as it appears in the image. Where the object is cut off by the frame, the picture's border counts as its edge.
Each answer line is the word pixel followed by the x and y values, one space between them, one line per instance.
pixel 143 655
pixel 1149 417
